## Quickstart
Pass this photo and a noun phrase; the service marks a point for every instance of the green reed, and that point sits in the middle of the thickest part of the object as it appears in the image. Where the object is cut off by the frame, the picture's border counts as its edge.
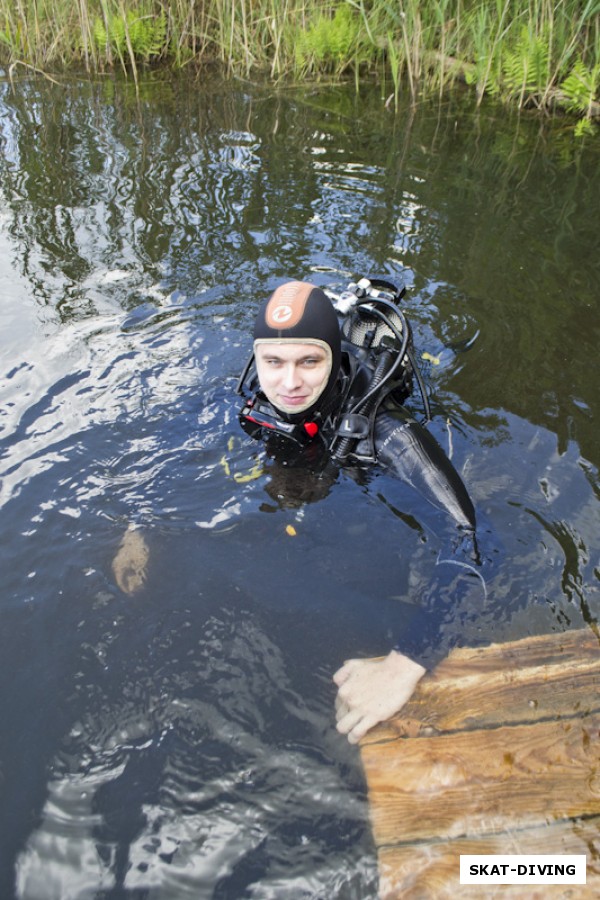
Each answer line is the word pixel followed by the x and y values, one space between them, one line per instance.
pixel 527 52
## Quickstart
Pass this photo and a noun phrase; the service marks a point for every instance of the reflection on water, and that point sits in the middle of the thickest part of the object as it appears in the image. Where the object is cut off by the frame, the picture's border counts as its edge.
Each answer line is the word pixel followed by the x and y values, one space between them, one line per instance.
pixel 175 794
pixel 179 740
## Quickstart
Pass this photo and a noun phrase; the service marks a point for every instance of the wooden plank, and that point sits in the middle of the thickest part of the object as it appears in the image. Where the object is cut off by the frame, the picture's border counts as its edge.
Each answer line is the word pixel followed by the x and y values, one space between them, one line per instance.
pixel 542 677
pixel 497 752
pixel 471 782
pixel 431 870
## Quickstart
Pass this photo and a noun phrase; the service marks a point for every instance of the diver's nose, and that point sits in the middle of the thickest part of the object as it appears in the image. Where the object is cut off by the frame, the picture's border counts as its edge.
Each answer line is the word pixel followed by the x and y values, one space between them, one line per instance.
pixel 291 378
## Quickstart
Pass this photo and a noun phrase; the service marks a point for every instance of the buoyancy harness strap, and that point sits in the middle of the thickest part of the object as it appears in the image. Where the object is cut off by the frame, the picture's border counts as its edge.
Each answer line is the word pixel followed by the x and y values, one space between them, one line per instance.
pixel 357 424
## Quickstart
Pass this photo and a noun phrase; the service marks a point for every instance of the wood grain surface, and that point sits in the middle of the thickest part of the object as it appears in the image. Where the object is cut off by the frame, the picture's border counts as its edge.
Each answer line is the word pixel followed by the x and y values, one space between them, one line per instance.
pixel 498 751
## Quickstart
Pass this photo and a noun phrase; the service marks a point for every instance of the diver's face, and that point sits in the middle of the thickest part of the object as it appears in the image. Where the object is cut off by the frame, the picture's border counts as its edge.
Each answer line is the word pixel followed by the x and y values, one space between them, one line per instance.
pixel 292 375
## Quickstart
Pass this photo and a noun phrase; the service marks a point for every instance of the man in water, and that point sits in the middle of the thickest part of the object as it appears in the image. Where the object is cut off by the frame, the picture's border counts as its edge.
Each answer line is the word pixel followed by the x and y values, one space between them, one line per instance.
pixel 308 389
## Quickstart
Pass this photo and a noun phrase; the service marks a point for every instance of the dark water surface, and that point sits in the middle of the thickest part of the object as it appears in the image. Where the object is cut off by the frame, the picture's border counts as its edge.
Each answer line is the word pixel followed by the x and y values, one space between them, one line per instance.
pixel 180 741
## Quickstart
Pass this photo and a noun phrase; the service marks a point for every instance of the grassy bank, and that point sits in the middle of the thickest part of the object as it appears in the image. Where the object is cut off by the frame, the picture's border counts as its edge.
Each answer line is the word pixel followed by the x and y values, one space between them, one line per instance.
pixel 539 53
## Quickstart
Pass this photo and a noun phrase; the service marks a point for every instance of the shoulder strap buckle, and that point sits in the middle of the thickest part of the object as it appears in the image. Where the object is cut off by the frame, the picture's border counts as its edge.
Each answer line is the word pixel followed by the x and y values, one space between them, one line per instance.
pixel 354 425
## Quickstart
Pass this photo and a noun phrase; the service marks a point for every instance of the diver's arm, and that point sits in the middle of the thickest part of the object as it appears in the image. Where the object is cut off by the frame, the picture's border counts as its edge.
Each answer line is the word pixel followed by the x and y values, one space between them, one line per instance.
pixel 408 450
pixel 372 690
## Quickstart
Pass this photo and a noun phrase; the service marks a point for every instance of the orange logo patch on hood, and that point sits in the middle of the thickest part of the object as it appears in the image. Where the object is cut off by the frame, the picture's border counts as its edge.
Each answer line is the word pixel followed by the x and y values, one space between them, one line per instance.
pixel 286 307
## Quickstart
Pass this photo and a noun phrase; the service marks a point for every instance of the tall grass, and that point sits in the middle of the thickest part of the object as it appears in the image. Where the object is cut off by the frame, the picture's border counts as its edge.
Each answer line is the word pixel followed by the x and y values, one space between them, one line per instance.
pixel 528 52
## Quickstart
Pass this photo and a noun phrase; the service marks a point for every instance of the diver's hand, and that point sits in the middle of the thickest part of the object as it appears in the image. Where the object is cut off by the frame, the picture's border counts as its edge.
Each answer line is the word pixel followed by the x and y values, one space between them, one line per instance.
pixel 129 565
pixel 372 690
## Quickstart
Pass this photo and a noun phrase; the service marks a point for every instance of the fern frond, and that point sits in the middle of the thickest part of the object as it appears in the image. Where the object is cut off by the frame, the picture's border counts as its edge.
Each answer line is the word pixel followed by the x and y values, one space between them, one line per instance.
pixel 580 87
pixel 329 43
pixel 526 68
pixel 100 35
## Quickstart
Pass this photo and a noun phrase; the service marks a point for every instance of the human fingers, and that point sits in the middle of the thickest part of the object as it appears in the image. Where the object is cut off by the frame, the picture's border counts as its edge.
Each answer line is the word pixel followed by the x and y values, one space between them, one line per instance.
pixel 360 729
pixel 351 669
pixel 340 703
pixel 341 711
pixel 344 672
pixel 348 721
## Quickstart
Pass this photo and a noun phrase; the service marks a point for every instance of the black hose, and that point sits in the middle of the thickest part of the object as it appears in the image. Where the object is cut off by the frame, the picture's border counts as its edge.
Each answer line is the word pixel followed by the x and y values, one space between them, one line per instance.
pixel 240 385
pixel 387 365
pixel 421 383
pixel 405 350
pixel 367 403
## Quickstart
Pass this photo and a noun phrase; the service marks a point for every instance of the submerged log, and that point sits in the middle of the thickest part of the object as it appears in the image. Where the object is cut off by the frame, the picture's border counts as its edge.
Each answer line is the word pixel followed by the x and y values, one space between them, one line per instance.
pixel 498 751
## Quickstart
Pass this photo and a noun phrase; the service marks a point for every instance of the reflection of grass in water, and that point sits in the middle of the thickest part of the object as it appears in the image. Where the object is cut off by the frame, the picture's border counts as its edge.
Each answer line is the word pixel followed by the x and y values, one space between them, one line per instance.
pixel 531 52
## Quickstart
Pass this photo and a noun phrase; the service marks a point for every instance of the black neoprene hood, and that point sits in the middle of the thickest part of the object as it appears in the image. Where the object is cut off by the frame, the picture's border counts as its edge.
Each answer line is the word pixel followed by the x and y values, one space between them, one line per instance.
pixel 299 311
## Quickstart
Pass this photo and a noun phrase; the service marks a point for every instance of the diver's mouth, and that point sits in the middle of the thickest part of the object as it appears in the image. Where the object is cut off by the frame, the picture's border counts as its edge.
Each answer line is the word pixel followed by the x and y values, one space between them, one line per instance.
pixel 295 400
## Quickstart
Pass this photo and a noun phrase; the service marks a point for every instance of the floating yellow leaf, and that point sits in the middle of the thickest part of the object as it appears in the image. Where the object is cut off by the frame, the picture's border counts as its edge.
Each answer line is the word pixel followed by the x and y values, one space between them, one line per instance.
pixel 255 472
pixel 434 360
pixel 289 529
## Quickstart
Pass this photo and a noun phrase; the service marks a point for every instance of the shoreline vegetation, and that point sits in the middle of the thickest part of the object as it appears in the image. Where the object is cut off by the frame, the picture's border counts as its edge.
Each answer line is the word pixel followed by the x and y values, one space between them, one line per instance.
pixel 541 54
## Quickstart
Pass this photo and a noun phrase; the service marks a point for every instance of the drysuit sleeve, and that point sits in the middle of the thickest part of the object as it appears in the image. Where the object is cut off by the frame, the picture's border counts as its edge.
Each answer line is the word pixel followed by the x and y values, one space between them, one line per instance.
pixel 409 451
pixel 454 597
pixel 455 587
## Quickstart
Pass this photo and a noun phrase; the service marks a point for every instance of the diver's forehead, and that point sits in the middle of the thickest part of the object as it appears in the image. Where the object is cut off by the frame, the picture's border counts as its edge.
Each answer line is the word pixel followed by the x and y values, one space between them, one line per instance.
pixel 290 350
